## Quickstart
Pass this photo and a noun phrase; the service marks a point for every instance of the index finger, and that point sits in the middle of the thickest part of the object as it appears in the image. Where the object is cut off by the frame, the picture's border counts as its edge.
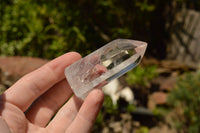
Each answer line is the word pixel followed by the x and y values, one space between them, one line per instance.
pixel 34 84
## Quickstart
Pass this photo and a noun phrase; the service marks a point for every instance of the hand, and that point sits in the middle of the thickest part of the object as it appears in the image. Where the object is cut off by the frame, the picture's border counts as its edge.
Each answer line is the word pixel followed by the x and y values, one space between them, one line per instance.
pixel 29 105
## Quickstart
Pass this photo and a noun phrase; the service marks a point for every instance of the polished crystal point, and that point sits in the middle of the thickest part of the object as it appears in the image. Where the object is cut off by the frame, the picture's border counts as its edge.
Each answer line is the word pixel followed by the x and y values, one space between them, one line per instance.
pixel 107 63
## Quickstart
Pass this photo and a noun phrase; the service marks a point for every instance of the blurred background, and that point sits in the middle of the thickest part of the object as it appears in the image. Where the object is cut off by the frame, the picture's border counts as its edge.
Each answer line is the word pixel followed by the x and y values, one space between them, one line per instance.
pixel 161 95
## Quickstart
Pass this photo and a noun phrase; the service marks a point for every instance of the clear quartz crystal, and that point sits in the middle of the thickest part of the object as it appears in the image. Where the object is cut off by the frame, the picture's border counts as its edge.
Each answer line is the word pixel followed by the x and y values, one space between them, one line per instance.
pixel 107 63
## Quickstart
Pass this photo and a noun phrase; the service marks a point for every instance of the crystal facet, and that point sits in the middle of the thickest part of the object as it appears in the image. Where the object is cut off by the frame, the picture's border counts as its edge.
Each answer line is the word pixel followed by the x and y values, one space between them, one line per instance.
pixel 107 63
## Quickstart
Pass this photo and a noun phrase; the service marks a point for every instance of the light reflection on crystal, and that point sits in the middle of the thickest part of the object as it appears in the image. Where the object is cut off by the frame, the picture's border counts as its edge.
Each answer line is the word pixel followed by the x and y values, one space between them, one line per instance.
pixel 107 63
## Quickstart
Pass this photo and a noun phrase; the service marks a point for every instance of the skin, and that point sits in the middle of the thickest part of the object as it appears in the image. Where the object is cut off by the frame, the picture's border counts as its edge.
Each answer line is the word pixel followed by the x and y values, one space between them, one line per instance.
pixel 29 105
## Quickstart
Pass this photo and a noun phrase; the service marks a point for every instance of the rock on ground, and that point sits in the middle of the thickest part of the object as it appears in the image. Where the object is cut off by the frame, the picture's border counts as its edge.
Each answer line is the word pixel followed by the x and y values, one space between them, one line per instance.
pixel 20 65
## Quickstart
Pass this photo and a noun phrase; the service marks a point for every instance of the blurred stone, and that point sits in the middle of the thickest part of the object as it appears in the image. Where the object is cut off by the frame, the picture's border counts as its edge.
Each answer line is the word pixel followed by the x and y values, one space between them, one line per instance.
pixel 127 127
pixel 185 38
pixel 162 129
pixel 136 124
pixel 149 61
pixel 177 65
pixel 19 66
pixel 12 68
pixel 157 98
pixel 142 111
pixel 2 88
pixel 165 83
pixel 105 130
pixel 126 117
pixel 116 126
pixel 169 83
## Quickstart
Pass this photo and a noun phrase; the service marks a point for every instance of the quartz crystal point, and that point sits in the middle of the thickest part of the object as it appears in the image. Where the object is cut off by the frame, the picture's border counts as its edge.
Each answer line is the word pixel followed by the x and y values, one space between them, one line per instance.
pixel 107 63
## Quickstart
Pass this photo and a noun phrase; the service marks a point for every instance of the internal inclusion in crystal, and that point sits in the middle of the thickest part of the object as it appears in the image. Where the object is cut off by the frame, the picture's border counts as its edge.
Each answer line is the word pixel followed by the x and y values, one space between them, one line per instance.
pixel 103 65
pixel 114 56
pixel 111 58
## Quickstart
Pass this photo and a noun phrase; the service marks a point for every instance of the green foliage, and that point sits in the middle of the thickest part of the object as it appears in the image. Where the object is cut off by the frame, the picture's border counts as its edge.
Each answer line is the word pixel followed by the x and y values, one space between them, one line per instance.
pixel 109 107
pixel 99 121
pixel 50 28
pixel 142 129
pixel 145 6
pixel 130 108
pixel 141 75
pixel 160 112
pixel 41 28
pixel 2 89
pixel 186 98
pixel 110 112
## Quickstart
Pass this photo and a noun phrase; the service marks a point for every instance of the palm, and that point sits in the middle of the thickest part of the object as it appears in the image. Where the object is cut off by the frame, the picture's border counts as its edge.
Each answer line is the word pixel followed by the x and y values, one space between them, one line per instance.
pixel 30 104
pixel 15 118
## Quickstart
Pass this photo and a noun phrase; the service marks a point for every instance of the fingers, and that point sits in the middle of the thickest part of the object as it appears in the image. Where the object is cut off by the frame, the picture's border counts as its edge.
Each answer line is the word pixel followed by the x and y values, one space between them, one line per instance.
pixel 3 126
pixel 65 115
pixel 31 86
pixel 88 112
pixel 47 105
pixel 14 117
